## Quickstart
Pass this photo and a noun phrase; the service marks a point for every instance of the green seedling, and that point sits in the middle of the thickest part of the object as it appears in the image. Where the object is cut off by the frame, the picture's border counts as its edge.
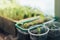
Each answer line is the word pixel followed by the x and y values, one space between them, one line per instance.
pixel 39 30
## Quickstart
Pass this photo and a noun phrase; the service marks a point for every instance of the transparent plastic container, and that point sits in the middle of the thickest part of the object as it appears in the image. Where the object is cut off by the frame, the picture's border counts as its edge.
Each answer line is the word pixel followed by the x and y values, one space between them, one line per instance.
pixel 22 32
pixel 34 35
pixel 54 30
pixel 22 35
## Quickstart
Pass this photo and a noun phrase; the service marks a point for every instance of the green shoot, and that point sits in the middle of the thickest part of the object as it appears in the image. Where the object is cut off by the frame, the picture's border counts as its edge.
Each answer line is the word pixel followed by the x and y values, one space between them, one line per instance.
pixel 39 30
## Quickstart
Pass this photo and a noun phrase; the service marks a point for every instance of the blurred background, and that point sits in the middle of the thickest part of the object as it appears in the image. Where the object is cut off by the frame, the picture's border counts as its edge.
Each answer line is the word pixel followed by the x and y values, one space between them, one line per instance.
pixel 47 6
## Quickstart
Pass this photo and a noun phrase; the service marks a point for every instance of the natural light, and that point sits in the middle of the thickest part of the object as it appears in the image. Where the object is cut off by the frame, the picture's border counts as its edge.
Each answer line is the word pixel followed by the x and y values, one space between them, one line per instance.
pixel 47 6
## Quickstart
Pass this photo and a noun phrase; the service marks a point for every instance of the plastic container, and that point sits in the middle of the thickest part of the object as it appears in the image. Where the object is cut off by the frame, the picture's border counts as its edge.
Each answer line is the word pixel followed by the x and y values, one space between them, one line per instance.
pixel 22 35
pixel 34 35
pixel 49 21
pixel 22 32
pixel 54 32
pixel 26 30
pixel 24 21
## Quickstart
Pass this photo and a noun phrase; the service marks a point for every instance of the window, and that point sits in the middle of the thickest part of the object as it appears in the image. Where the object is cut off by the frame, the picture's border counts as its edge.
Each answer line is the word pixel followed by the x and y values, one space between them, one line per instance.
pixel 47 6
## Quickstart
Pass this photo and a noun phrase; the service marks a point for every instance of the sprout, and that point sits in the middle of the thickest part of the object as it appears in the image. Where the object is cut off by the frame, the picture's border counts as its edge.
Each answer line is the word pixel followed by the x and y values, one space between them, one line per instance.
pixel 39 30
pixel 26 25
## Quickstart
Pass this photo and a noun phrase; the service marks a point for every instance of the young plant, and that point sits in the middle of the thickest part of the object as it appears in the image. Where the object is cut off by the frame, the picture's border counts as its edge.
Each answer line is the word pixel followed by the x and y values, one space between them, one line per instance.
pixel 39 30
pixel 51 26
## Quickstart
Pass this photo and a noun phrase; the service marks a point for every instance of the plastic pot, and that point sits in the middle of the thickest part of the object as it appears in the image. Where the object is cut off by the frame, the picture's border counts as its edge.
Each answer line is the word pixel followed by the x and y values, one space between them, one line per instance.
pixel 22 33
pixel 34 35
pixel 18 24
pixel 54 33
